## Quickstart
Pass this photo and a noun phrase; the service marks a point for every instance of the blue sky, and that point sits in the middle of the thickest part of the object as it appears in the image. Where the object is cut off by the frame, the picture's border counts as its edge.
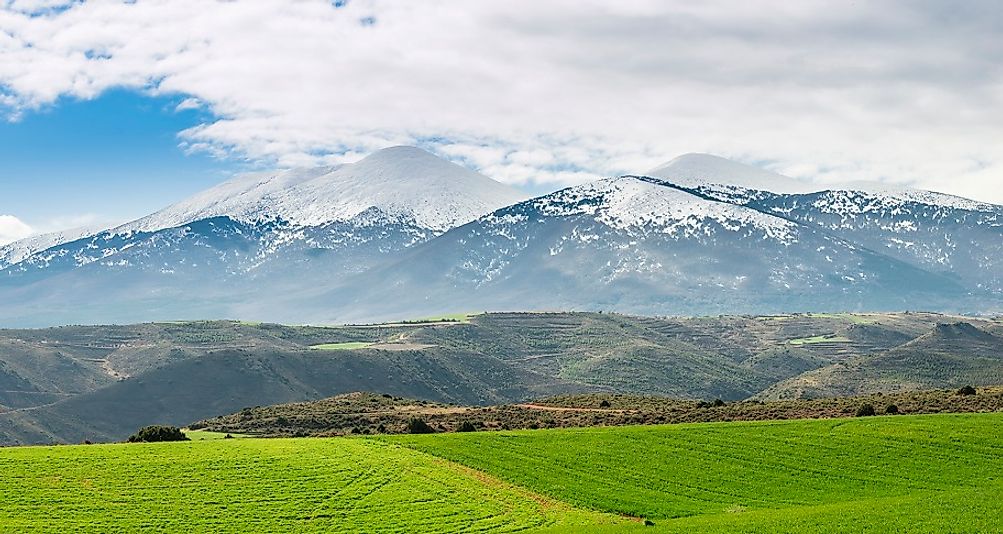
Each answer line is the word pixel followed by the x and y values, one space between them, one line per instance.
pixel 109 159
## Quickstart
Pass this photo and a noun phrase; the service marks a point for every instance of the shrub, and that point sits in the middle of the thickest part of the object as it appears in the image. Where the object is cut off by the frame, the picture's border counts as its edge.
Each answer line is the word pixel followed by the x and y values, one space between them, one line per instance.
pixel 718 403
pixel 967 390
pixel 419 426
pixel 865 410
pixel 155 433
pixel 891 409
pixel 604 404
pixel 466 426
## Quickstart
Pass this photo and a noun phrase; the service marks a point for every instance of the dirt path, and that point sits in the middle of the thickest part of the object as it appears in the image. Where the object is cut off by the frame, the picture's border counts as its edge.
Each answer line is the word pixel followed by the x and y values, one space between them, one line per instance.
pixel 567 409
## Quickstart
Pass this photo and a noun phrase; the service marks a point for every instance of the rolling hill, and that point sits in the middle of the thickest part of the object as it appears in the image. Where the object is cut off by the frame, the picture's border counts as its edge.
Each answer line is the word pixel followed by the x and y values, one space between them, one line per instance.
pixel 101 383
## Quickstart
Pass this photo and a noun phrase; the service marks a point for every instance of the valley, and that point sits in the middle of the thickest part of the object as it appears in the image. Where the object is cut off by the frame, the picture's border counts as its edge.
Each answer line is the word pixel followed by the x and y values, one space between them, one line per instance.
pixel 101 383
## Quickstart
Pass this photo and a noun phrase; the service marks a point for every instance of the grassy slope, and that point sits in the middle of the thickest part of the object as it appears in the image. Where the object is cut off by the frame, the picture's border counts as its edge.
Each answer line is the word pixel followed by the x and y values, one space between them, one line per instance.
pixel 344 485
pixel 887 474
pixel 496 358
pixel 924 473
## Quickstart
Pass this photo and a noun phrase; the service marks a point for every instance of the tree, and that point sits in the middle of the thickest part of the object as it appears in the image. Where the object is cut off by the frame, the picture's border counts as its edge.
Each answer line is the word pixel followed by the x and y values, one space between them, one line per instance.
pixel 155 433
pixel 466 426
pixel 419 426
pixel 865 410
pixel 967 390
pixel 892 409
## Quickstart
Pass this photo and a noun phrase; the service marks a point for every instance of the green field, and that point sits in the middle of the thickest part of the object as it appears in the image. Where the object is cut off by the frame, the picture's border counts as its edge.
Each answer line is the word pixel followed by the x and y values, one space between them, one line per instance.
pixel 819 339
pixel 935 473
pixel 926 473
pixel 206 435
pixel 352 345
pixel 267 485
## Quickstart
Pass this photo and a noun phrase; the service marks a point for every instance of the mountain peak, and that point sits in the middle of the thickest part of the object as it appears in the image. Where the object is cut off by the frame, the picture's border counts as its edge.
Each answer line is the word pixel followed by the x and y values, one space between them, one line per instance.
pixel 403 182
pixel 695 170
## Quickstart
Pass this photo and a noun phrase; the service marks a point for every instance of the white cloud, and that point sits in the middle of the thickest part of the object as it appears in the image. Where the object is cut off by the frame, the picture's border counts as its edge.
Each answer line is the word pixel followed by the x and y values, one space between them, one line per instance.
pixel 12 229
pixel 550 92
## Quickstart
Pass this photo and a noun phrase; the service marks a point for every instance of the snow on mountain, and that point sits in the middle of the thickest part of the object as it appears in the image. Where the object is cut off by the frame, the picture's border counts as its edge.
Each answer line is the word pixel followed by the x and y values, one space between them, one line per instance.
pixel 404 184
pixel 630 202
pixel 734 182
pixel 17 251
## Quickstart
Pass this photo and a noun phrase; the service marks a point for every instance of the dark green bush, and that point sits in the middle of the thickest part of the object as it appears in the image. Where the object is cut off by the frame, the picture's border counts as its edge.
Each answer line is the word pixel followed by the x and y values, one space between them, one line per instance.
pixel 891 409
pixel 419 426
pixel 967 390
pixel 604 404
pixel 155 433
pixel 466 426
pixel 718 403
pixel 865 410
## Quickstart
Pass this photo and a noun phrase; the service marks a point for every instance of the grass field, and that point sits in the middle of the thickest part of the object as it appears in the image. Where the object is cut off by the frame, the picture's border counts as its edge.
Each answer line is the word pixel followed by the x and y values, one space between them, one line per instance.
pixel 344 485
pixel 206 435
pixel 935 473
pixel 819 339
pixel 352 345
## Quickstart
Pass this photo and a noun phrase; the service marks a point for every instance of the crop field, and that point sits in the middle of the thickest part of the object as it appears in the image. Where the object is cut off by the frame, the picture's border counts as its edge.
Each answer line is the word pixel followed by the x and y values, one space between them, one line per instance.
pixel 345 485
pixel 932 473
pixel 936 473
pixel 819 339
pixel 351 345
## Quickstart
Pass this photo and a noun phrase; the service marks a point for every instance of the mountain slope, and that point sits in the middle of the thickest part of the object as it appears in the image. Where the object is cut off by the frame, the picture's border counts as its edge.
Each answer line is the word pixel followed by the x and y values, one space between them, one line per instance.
pixel 18 251
pixel 230 250
pixel 405 184
pixel 945 234
pixel 639 245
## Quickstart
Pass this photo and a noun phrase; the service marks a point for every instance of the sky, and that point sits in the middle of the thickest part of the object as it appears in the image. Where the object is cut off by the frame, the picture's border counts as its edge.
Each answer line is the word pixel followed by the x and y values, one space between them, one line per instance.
pixel 111 110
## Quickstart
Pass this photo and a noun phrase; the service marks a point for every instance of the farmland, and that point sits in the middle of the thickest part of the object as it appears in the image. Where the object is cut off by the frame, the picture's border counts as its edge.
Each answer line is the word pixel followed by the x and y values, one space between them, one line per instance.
pixel 263 485
pixel 931 473
pixel 886 473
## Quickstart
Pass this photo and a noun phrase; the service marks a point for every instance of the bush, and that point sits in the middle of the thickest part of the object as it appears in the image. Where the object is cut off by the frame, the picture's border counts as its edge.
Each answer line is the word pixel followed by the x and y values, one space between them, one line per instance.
pixel 718 403
pixel 865 410
pixel 155 433
pixel 419 426
pixel 466 426
pixel 967 390
pixel 891 409
pixel 604 404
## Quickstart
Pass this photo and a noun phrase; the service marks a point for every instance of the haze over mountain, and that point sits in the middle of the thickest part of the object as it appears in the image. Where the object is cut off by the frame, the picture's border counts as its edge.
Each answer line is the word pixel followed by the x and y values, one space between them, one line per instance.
pixel 404 233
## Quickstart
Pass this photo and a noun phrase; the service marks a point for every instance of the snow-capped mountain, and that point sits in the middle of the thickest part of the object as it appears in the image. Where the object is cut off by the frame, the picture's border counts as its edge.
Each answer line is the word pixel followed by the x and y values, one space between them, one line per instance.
pixel 262 234
pixel 640 244
pixel 394 198
pixel 403 184
pixel 403 233
pixel 17 251
pixel 942 233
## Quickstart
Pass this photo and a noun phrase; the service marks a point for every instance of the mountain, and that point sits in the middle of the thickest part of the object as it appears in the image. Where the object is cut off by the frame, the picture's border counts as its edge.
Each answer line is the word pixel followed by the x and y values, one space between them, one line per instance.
pixel 642 245
pixel 945 234
pixel 402 233
pixel 67 384
pixel 402 184
pixel 950 355
pixel 18 251
pixel 229 250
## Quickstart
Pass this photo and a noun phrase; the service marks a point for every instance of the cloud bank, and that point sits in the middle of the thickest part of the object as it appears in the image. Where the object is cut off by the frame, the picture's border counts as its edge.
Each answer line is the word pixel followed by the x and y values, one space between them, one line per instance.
pixel 548 93
pixel 12 229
